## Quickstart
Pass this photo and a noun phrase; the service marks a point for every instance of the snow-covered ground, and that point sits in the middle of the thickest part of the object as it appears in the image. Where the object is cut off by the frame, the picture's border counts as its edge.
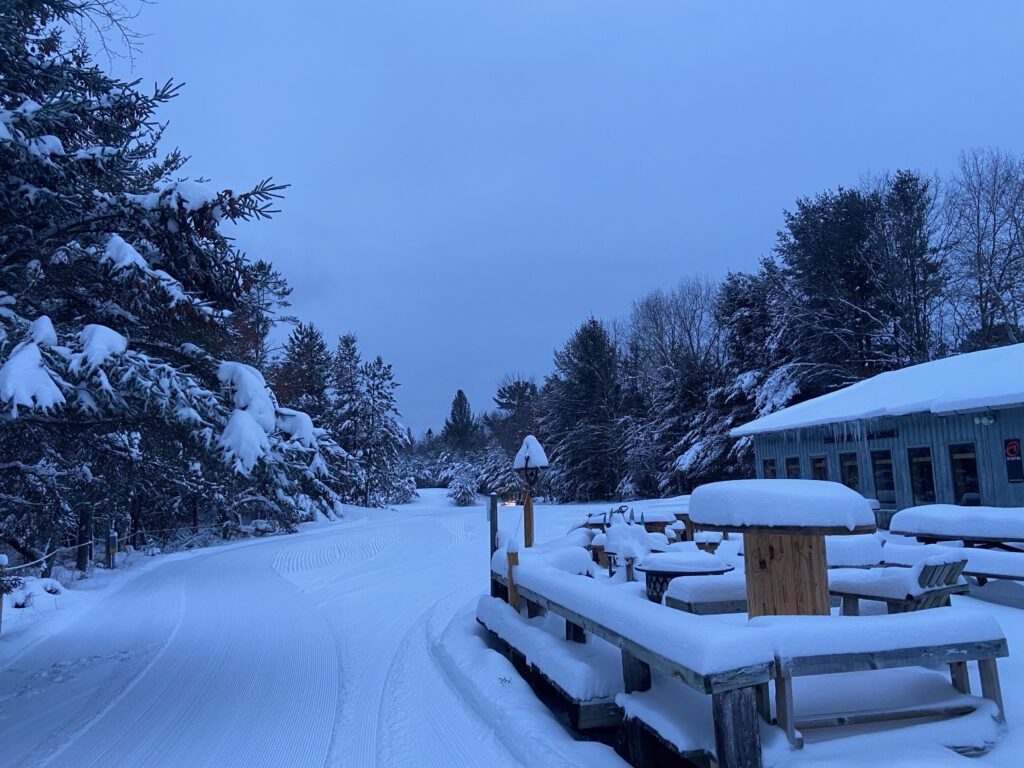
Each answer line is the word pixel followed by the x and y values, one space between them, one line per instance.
pixel 349 643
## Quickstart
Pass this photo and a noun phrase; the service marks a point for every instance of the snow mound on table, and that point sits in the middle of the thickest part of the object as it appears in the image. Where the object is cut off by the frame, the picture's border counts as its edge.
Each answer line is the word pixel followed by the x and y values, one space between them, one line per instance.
pixel 712 589
pixel 682 562
pixel 25 381
pixel 853 551
pixel 951 520
pixel 990 378
pixel 628 541
pixel 532 451
pixel 779 503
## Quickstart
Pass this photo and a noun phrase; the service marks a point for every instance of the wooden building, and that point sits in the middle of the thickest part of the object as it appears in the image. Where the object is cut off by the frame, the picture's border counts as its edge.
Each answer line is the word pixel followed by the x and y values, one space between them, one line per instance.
pixel 946 432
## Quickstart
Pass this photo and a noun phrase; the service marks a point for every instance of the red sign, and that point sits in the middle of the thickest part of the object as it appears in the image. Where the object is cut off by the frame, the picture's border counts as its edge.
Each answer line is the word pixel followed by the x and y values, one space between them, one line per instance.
pixel 1014 461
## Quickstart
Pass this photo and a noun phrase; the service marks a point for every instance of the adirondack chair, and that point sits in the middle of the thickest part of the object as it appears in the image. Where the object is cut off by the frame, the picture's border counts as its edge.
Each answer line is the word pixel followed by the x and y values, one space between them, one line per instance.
pixel 928 584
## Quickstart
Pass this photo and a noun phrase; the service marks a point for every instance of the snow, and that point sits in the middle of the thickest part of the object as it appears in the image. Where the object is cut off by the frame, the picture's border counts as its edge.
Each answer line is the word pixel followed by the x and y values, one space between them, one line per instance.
pixel 987 379
pixel 250 393
pixel 886 582
pixel 682 562
pixel 99 344
pixel 768 503
pixel 791 636
pixel 1006 523
pixel 244 441
pixel 530 453
pixel 984 561
pixel 853 551
pixel 297 425
pixel 122 255
pixel 42 333
pixel 25 381
pixel 355 643
pixel 585 671
pixel 627 540
pixel 700 643
pixel 713 588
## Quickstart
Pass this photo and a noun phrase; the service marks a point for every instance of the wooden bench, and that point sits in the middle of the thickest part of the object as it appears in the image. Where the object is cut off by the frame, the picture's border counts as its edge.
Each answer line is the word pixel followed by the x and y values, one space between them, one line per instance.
pixel 987 645
pixel 733 692
pixel 938 581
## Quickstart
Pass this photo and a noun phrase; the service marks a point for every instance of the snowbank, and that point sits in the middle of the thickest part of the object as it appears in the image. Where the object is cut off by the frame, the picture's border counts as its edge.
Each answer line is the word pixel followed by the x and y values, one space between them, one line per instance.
pixel 780 503
pixel 987 379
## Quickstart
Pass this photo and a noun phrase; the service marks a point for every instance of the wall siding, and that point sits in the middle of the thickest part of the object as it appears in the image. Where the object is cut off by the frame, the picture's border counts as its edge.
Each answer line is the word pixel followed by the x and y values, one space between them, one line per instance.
pixel 911 431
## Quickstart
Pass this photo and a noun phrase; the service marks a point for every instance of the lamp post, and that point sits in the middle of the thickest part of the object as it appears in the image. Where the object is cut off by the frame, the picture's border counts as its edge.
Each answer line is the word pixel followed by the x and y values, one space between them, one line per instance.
pixel 529 462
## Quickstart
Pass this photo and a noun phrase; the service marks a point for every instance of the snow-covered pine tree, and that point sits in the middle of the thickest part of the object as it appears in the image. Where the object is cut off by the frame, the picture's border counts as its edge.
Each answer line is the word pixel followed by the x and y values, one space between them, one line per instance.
pixel 463 486
pixel 116 289
pixel 265 295
pixel 461 431
pixel 383 438
pixel 581 425
pixel 496 472
pixel 303 372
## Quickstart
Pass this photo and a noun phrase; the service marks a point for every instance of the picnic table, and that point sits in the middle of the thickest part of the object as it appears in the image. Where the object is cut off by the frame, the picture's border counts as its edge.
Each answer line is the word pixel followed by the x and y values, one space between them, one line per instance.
pixel 661 568
pixel 991 527
pixel 784 524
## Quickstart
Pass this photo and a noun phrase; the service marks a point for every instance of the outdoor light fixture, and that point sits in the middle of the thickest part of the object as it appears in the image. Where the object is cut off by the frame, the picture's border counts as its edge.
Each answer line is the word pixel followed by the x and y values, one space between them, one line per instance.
pixel 529 462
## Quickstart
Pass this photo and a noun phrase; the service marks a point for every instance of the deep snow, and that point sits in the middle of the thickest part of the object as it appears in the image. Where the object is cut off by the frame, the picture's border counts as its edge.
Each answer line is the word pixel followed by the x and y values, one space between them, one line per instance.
pixel 350 643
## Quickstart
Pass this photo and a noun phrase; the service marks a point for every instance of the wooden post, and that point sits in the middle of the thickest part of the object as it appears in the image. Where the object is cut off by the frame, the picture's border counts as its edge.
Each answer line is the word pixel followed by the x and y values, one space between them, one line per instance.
pixel 574 633
pixel 636 674
pixel 958 672
pixel 630 574
pixel 492 517
pixel 513 593
pixel 784 710
pixel 990 685
pixel 737 733
pixel 786 574
pixel 528 518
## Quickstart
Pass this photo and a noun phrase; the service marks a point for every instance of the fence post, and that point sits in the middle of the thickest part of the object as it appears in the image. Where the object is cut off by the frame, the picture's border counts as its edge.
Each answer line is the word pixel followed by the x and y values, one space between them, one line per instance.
pixel 737 733
pixel 111 545
pixel 492 517
pixel 513 593
pixel 528 518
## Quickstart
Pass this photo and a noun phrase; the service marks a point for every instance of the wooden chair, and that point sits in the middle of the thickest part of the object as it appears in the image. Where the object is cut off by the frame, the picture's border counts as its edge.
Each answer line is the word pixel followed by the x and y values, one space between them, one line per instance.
pixel 938 581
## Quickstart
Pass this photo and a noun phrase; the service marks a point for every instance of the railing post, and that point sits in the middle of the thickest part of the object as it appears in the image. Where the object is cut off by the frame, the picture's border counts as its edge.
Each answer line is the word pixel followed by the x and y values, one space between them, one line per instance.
pixel 513 593
pixel 737 732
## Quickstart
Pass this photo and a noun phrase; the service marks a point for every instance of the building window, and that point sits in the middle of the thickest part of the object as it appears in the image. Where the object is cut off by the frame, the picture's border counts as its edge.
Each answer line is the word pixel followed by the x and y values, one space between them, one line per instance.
pixel 964 463
pixel 793 468
pixel 769 469
pixel 885 483
pixel 819 468
pixel 849 471
pixel 922 480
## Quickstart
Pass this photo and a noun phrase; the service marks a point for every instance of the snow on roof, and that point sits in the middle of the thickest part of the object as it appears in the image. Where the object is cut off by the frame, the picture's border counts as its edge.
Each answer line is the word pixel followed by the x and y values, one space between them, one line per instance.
pixel 780 503
pixel 991 378
pixel 531 450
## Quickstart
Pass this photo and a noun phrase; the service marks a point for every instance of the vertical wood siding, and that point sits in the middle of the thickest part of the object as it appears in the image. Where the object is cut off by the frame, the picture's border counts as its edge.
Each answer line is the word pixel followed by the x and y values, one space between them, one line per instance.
pixel 911 431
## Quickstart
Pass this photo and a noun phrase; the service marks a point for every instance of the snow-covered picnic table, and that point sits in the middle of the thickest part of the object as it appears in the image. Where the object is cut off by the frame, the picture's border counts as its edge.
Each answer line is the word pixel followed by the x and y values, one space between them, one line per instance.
pixel 982 526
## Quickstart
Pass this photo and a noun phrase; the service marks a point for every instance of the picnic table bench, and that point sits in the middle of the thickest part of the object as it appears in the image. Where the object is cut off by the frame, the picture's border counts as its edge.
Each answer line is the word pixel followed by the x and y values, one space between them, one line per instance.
pixel 927 584
pixel 982 564
pixel 813 645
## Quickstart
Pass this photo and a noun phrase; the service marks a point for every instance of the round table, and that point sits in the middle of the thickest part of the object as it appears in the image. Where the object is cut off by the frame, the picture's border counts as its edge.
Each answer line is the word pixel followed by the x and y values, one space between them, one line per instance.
pixel 784 524
pixel 660 568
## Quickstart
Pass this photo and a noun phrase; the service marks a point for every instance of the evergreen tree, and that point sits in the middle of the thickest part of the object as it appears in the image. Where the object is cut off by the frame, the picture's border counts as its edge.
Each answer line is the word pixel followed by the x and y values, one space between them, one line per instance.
pixel 515 417
pixel 582 423
pixel 302 375
pixel 382 436
pixel 265 296
pixel 461 429
pixel 117 292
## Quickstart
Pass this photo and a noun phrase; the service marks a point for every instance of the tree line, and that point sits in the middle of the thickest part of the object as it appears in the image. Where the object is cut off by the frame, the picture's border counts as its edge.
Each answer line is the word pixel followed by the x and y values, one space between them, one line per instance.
pixel 900 270
pixel 138 380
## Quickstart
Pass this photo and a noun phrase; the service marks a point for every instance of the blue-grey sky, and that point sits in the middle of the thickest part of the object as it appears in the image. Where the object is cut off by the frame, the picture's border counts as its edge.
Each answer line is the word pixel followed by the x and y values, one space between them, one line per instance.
pixel 472 178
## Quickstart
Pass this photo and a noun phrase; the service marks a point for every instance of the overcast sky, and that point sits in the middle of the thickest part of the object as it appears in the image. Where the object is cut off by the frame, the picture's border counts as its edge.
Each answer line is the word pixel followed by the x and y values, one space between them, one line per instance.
pixel 472 178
